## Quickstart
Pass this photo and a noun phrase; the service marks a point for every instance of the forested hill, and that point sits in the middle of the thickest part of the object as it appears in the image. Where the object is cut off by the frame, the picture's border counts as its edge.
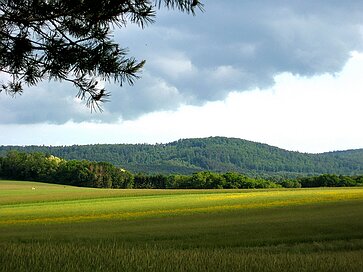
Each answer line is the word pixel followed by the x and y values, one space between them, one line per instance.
pixel 216 154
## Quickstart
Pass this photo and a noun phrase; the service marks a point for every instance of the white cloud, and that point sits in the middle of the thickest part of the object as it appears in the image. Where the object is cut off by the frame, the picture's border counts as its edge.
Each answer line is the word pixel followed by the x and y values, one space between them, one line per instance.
pixel 173 65
pixel 244 49
pixel 225 72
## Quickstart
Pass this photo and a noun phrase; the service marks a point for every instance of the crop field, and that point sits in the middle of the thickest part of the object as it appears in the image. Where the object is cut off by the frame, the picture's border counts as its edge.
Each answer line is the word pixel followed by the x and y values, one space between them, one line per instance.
pixel 47 227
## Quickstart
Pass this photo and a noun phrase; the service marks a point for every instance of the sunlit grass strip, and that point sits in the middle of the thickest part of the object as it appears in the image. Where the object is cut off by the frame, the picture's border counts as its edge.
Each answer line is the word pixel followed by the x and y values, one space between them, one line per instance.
pixel 213 205
pixel 18 192
pixel 335 193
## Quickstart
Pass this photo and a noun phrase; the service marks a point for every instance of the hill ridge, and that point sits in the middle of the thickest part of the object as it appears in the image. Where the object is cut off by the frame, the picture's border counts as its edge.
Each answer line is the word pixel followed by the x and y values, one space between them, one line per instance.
pixel 218 154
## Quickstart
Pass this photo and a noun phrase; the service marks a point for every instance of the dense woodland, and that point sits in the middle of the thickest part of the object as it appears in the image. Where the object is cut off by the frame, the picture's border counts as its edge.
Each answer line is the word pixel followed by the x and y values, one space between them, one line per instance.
pixel 48 168
pixel 215 154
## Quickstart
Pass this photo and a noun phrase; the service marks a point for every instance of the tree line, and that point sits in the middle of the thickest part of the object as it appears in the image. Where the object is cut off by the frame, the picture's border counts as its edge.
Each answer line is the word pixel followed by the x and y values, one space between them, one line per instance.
pixel 48 168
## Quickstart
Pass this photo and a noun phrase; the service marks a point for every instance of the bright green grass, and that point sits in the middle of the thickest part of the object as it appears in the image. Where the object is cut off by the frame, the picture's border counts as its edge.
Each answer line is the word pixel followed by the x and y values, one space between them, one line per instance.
pixel 62 228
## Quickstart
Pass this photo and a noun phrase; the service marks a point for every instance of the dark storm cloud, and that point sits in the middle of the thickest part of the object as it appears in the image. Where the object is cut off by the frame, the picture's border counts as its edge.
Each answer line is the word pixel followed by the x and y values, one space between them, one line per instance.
pixel 234 45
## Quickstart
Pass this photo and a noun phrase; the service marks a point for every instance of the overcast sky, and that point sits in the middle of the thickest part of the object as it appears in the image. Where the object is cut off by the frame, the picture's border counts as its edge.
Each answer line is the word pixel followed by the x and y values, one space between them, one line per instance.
pixel 286 73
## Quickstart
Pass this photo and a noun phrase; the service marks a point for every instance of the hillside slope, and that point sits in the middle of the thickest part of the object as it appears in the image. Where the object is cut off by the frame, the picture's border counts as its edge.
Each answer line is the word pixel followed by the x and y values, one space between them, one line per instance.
pixel 217 154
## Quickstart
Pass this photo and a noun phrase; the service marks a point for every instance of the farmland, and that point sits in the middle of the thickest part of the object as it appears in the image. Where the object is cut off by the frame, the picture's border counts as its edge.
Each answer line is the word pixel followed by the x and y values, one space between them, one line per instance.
pixel 48 227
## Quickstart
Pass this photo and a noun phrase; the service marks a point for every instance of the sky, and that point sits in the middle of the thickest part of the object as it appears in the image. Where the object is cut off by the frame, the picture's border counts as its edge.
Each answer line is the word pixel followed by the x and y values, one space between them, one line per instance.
pixel 286 73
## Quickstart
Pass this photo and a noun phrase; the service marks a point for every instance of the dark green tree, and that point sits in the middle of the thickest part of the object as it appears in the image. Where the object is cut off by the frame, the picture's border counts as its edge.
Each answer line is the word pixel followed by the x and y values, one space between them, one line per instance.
pixel 71 40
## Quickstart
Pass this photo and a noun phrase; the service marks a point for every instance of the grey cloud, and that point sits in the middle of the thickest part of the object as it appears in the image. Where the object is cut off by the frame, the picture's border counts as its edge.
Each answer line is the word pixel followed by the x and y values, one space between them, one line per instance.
pixel 234 45
pixel 263 38
pixel 53 103
pixel 147 95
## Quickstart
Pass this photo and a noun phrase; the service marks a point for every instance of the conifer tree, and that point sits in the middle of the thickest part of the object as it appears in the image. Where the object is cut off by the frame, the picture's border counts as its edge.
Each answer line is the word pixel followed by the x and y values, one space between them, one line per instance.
pixel 71 40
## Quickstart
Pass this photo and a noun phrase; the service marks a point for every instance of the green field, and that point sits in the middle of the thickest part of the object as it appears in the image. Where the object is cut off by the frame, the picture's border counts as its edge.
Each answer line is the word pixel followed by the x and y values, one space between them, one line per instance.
pixel 46 227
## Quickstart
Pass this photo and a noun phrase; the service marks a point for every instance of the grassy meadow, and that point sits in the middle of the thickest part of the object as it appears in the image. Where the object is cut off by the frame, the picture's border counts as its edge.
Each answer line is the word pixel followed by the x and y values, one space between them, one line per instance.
pixel 47 227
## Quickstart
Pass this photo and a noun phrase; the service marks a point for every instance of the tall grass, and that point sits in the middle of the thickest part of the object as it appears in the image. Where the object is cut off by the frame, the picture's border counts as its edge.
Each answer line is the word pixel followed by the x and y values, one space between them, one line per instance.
pixel 110 256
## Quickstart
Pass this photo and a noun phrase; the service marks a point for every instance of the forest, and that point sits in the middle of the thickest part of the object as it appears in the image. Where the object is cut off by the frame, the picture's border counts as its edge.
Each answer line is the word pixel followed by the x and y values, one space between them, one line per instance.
pixel 215 154
pixel 48 168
